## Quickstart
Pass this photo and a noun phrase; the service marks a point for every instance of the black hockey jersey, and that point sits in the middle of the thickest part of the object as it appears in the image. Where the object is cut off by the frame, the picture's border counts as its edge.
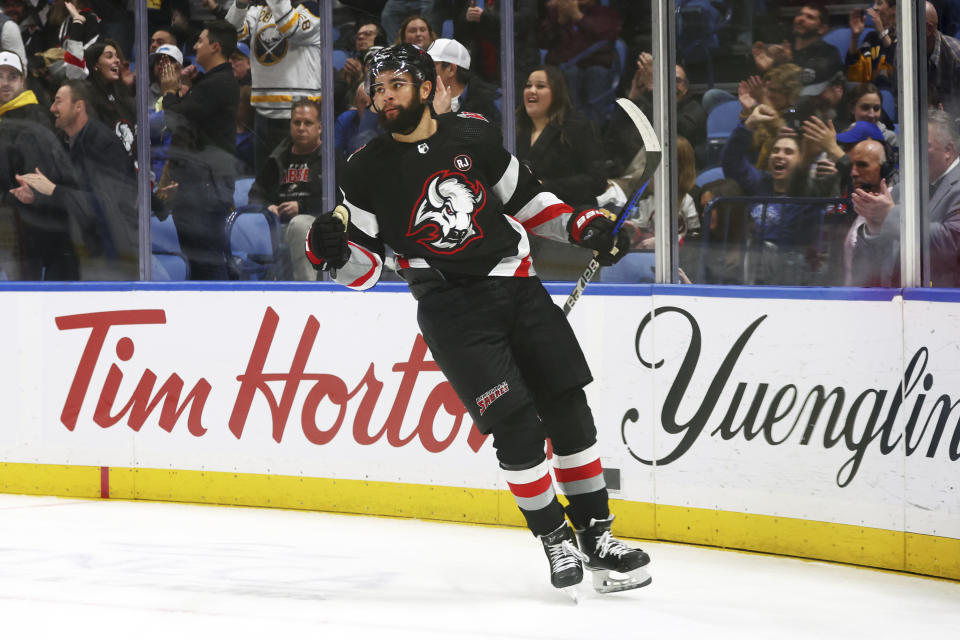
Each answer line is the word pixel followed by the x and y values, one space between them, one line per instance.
pixel 457 203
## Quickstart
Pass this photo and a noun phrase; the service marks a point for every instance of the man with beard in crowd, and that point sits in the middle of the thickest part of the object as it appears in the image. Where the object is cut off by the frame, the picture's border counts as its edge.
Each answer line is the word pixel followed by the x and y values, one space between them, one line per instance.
pixel 807 50
pixel 42 248
pixel 100 196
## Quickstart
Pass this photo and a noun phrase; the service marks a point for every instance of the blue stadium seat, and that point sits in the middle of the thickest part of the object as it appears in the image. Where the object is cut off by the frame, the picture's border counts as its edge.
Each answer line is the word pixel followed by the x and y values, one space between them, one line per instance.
pixel 253 244
pixel 241 190
pixel 712 98
pixel 840 39
pixel 446 30
pixel 637 266
pixel 721 122
pixel 889 104
pixel 163 235
pixel 709 175
pixel 169 266
pixel 167 260
pixel 339 59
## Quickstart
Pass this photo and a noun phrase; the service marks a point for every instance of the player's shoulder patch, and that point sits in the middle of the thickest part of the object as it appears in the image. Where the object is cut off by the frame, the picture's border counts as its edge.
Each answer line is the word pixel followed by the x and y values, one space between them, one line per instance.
pixel 370 149
pixel 471 114
pixel 467 126
pixel 352 155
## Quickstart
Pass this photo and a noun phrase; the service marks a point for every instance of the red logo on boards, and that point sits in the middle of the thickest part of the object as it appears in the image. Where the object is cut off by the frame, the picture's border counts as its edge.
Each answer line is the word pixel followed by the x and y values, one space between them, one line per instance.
pixel 172 401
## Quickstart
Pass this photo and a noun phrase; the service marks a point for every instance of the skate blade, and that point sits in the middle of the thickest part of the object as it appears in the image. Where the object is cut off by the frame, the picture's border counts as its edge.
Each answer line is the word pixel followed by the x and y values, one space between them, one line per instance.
pixel 610 581
pixel 573 593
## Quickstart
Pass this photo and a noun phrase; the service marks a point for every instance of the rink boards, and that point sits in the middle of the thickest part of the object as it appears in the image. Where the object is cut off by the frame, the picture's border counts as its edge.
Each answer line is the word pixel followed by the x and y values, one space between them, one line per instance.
pixel 817 423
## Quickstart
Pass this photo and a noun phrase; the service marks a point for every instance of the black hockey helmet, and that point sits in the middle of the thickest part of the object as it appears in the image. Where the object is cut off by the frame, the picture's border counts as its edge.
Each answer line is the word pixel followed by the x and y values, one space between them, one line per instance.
pixel 403 58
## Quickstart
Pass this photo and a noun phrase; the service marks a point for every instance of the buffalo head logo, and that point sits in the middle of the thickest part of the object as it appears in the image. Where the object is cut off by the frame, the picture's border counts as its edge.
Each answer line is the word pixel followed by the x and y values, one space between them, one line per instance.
pixel 446 212
pixel 270 46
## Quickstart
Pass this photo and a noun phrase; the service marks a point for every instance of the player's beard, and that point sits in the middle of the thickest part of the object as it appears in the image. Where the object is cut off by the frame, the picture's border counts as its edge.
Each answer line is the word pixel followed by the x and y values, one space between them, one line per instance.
pixel 405 121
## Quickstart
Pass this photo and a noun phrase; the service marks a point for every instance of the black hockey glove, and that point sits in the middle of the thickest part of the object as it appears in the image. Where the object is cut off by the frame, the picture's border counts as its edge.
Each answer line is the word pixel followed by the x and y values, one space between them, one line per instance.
pixel 328 241
pixel 593 229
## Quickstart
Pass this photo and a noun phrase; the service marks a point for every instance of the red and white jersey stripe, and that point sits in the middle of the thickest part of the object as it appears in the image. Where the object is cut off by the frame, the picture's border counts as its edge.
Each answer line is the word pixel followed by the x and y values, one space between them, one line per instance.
pixel 520 265
pixel 456 202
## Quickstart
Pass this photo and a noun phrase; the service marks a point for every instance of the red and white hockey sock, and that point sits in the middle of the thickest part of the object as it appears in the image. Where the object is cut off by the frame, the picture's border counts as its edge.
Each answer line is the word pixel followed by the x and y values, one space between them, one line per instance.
pixel 580 478
pixel 533 490
pixel 579 473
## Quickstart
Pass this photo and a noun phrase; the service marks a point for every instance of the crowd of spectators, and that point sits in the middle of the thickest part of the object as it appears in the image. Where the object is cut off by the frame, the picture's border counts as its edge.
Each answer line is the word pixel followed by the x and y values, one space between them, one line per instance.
pixel 235 91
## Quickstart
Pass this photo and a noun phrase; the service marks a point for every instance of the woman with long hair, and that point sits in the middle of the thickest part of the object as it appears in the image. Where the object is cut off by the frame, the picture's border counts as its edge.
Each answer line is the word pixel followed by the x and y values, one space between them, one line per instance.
pixel 416 30
pixel 556 142
pixel 112 99
pixel 560 147
pixel 866 104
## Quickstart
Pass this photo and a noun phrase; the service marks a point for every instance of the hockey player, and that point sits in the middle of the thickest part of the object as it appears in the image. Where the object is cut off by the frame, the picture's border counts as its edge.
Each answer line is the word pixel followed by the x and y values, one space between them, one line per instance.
pixel 456 208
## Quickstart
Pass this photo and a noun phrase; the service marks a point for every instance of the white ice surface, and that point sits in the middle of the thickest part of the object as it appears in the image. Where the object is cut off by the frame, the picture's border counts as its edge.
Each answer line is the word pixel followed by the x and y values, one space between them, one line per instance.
pixel 113 569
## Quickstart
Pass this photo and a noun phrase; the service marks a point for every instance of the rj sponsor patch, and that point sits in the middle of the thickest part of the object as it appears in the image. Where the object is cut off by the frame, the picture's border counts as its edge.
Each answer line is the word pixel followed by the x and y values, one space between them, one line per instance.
pixel 491 396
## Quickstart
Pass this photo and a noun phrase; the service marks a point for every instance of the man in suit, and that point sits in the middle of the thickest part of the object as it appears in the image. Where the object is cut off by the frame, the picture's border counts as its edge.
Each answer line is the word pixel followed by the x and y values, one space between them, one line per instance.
pixel 876 255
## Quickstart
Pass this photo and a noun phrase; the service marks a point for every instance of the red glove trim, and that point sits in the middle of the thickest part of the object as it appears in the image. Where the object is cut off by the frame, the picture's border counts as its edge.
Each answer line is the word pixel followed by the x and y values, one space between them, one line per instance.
pixel 580 222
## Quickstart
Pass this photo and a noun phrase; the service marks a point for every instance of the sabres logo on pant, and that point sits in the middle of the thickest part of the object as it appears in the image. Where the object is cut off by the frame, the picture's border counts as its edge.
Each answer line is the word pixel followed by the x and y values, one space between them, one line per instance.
pixel 444 218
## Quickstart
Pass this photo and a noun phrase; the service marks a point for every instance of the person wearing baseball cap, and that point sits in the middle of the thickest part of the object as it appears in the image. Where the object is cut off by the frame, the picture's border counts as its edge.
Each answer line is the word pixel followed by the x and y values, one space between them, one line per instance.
pixel 169 50
pixel 240 61
pixel 822 91
pixel 163 55
pixel 457 89
pixel 859 131
pixel 16 101
pixel 44 249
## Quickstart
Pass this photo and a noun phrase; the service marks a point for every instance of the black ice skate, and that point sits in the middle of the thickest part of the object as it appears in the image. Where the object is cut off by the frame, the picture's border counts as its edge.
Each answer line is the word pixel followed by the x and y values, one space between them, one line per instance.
pixel 566 572
pixel 615 566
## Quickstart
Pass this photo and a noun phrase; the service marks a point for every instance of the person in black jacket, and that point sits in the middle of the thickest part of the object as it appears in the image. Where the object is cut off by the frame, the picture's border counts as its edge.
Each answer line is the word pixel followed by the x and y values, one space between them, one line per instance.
pixel 290 183
pixel 202 168
pixel 691 116
pixel 621 140
pixel 41 246
pixel 100 196
pixel 807 48
pixel 559 146
pixel 113 101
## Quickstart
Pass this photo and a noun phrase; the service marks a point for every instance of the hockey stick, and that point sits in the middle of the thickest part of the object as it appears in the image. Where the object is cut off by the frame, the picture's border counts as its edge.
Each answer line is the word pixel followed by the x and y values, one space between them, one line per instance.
pixel 652 153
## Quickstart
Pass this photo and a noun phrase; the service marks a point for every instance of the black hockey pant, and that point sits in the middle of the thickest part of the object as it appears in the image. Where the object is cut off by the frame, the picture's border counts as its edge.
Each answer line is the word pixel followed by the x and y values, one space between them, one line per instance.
pixel 514 361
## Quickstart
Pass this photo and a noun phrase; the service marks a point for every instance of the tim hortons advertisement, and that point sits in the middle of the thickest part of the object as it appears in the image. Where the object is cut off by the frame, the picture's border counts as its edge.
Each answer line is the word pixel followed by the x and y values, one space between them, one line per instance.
pixel 824 410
